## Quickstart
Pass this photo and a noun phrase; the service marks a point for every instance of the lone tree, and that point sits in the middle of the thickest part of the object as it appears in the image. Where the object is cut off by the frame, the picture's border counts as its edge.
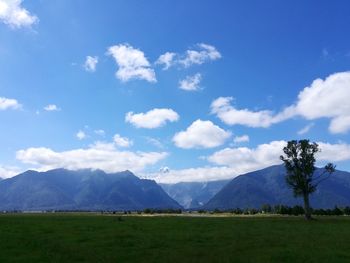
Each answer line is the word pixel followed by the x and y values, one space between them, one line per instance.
pixel 299 160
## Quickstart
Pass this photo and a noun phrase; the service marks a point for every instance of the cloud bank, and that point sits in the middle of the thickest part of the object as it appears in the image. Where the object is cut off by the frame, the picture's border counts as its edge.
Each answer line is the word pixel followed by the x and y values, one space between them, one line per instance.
pixel 100 155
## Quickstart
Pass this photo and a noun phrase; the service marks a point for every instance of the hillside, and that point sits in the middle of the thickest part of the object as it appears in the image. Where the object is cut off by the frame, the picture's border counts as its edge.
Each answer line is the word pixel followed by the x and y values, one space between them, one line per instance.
pixel 268 186
pixel 83 189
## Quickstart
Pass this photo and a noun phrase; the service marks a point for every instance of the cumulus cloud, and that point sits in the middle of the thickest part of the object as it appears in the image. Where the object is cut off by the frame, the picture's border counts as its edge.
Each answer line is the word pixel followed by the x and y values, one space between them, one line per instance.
pixel 267 154
pixel 306 129
pixel 250 159
pixel 132 63
pixel 91 63
pixel 152 119
pixel 231 162
pixel 122 141
pixel 13 14
pixel 9 171
pixel 199 174
pixel 230 115
pixel 334 152
pixel 201 134
pixel 103 156
pixel 239 139
pixel 81 135
pixel 167 59
pixel 191 83
pixel 52 107
pixel 201 54
pixel 6 103
pixel 327 98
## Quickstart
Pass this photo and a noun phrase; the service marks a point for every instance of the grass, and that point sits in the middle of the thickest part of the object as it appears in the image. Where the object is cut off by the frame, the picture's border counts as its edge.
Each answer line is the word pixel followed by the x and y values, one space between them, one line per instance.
pixel 98 238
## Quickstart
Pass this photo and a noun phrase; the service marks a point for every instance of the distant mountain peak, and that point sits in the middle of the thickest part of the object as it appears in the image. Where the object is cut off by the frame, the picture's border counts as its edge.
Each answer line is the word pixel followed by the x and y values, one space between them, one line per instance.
pixel 62 189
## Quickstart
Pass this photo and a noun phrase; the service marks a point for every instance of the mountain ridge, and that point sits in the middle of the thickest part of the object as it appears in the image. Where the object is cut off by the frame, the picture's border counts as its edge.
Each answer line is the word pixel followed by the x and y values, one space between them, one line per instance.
pixel 268 186
pixel 62 189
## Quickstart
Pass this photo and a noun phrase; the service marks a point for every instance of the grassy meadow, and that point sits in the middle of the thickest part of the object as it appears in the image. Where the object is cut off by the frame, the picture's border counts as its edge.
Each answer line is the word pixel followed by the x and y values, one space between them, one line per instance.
pixel 111 238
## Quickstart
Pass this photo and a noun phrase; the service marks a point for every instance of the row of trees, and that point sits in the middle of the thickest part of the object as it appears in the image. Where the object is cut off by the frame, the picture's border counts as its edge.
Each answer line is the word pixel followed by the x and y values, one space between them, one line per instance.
pixel 282 210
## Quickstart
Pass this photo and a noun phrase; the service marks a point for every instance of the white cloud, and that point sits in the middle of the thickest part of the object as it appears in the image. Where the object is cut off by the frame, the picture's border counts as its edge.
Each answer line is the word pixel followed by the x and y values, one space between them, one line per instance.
pixel 249 159
pixel 334 152
pixel 80 135
pixel 167 59
pixel 90 63
pixel 200 54
pixel 13 14
pixel 230 115
pixel 52 107
pixel 132 63
pixel 306 129
pixel 152 119
pixel 98 156
pixel 264 155
pixel 203 53
pixel 9 171
pixel 100 132
pixel 201 134
pixel 191 83
pixel 239 139
pixel 236 161
pixel 6 103
pixel 200 174
pixel 327 98
pixel 122 141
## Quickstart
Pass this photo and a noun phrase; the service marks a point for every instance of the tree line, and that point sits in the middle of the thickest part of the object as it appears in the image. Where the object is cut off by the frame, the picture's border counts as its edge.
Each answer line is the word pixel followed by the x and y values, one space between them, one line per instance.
pixel 282 210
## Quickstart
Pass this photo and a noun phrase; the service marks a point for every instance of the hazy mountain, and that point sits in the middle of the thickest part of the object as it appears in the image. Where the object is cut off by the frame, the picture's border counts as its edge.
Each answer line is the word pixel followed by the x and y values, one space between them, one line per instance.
pixel 193 194
pixel 268 186
pixel 83 189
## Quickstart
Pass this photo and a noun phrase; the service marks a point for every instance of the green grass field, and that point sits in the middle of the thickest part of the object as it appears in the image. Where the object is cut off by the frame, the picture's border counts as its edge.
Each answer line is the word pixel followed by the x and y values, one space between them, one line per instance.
pixel 98 238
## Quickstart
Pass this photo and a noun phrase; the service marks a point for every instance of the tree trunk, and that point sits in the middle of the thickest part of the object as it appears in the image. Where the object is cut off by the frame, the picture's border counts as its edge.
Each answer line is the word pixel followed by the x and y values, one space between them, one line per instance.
pixel 307 206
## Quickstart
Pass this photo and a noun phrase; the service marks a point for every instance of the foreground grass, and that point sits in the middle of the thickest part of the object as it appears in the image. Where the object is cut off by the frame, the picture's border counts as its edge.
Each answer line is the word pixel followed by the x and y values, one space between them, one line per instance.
pixel 95 238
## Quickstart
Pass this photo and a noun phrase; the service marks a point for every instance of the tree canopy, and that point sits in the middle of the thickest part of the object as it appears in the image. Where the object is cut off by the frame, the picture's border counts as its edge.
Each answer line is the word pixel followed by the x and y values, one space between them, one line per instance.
pixel 299 160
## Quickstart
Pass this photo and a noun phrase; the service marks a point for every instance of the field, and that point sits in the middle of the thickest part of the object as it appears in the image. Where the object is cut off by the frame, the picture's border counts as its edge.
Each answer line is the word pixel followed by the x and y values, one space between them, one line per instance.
pixel 110 238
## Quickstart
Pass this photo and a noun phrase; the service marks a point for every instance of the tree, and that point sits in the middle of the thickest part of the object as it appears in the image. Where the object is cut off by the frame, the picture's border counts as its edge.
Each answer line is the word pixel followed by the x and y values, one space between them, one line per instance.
pixel 299 160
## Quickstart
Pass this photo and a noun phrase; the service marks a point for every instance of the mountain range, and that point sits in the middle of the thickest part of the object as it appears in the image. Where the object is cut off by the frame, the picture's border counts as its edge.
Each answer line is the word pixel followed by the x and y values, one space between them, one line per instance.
pixel 62 189
pixel 268 186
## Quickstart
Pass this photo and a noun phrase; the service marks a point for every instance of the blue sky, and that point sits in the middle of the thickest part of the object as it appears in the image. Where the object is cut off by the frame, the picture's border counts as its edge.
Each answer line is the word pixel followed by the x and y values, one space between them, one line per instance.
pixel 85 85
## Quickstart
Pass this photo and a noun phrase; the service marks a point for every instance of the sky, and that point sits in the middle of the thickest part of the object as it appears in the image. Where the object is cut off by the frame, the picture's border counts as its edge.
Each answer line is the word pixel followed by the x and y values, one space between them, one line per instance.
pixel 172 90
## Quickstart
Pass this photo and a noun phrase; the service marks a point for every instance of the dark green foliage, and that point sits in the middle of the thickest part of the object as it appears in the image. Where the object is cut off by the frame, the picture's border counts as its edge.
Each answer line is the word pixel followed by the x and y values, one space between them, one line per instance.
pixel 299 161
pixel 237 211
pixel 105 238
pixel 296 210
pixel 266 208
pixel 162 211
